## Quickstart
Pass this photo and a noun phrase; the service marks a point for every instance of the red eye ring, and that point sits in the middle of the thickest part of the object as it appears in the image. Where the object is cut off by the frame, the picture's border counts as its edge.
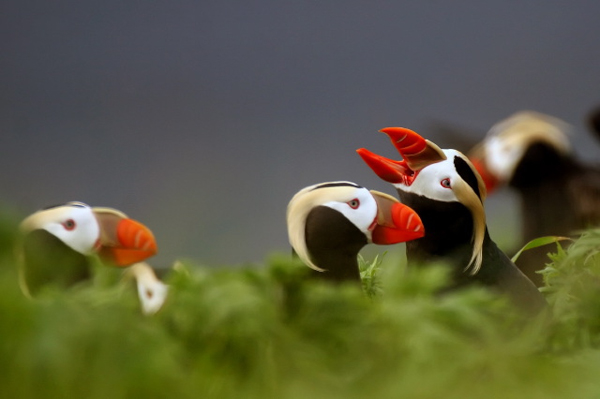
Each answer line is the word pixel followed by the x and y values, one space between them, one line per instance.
pixel 446 183
pixel 69 224
pixel 355 203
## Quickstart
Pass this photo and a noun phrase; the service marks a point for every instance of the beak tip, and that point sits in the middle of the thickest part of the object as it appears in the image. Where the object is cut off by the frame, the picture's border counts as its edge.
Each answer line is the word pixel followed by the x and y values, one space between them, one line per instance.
pixel 399 223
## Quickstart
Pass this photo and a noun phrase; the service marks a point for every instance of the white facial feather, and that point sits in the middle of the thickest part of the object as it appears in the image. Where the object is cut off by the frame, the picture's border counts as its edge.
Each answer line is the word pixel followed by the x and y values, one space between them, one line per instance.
pixel 429 180
pixel 151 291
pixel 335 195
pixel 507 140
pixel 501 157
pixel 73 223
pixel 363 215
pixel 440 181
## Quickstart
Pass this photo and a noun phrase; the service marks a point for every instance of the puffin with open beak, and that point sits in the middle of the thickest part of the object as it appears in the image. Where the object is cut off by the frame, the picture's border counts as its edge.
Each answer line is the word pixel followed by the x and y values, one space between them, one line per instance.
pixel 446 191
pixel 329 223
pixel 531 153
pixel 57 244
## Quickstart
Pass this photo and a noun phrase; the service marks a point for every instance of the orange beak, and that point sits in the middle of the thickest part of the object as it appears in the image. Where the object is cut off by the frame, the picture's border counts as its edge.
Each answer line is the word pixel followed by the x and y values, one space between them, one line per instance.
pixel 387 169
pixel 491 181
pixel 395 221
pixel 416 152
pixel 136 243
pixel 123 241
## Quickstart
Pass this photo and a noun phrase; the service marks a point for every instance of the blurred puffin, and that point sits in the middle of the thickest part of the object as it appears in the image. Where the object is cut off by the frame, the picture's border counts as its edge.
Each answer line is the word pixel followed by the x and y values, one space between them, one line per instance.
pixel 446 191
pixel 329 223
pixel 531 153
pixel 57 245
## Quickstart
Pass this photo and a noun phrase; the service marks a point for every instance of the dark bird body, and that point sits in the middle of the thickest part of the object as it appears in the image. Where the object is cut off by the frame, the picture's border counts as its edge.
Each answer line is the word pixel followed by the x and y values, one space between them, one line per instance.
pixel 558 194
pixel 339 250
pixel 449 240
pixel 58 246
pixel 448 194
pixel 593 121
pixel 51 260
pixel 329 223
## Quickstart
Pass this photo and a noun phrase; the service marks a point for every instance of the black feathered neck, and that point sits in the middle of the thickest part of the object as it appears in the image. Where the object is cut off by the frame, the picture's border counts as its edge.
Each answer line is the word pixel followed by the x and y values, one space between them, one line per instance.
pixel 448 235
pixel 448 231
pixel 541 164
pixel 333 243
pixel 49 261
pixel 467 174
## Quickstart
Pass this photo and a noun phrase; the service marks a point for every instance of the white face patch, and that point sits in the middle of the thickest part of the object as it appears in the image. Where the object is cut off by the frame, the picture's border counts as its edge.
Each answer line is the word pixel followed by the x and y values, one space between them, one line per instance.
pixel 441 182
pixel 76 226
pixel 435 181
pixel 354 202
pixel 502 157
pixel 359 207
pixel 507 140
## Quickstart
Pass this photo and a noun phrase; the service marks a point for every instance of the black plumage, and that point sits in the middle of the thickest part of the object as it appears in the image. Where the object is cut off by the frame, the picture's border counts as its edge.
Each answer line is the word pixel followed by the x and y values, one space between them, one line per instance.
pixel 52 263
pixel 329 223
pixel 335 242
pixel 559 195
pixel 594 121
pixel 448 239
pixel 59 246
pixel 454 221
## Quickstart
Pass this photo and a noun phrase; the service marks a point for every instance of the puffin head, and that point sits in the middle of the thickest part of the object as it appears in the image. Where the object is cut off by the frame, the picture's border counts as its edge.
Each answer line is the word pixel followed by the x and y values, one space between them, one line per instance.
pixel 110 233
pixel 507 143
pixel 73 223
pixel 428 172
pixel 343 217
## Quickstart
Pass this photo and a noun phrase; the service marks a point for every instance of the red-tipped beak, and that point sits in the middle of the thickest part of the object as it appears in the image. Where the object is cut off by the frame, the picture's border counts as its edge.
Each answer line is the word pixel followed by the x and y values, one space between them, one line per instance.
pixel 387 169
pixel 396 222
pixel 415 151
pixel 136 243
pixel 123 241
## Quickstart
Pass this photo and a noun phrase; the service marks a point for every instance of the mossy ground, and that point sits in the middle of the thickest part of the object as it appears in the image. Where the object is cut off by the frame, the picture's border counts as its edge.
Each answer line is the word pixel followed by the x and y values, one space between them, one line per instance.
pixel 267 331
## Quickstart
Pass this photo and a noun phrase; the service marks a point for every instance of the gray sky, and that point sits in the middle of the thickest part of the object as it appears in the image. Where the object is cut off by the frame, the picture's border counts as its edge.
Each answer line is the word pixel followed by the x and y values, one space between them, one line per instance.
pixel 202 118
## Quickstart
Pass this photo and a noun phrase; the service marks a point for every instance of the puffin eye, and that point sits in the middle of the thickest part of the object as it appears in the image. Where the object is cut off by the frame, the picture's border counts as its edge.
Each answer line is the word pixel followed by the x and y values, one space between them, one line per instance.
pixel 446 183
pixel 355 203
pixel 69 224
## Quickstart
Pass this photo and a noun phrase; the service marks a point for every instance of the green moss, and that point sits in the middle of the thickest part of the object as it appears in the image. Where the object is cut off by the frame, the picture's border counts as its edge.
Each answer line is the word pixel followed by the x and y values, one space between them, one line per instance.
pixel 269 331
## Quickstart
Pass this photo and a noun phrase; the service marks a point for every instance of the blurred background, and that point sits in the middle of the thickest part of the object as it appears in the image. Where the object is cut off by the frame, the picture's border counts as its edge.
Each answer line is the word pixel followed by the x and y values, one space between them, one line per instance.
pixel 202 118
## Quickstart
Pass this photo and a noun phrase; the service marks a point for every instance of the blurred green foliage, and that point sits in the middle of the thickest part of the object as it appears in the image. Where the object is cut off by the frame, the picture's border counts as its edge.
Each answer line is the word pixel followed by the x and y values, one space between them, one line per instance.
pixel 268 331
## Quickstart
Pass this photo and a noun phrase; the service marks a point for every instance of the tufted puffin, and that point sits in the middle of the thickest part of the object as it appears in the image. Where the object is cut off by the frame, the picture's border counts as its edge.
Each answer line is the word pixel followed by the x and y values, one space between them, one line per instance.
pixel 531 153
pixel 57 244
pixel 447 193
pixel 329 223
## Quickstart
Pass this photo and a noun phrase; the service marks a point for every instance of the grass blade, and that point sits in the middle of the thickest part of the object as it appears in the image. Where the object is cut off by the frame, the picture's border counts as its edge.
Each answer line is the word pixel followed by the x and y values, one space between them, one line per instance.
pixel 539 242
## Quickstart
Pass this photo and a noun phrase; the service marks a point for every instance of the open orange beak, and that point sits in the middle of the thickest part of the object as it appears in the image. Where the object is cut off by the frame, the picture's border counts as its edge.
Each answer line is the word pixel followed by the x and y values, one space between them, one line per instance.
pixel 395 222
pixel 387 169
pixel 123 241
pixel 416 152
